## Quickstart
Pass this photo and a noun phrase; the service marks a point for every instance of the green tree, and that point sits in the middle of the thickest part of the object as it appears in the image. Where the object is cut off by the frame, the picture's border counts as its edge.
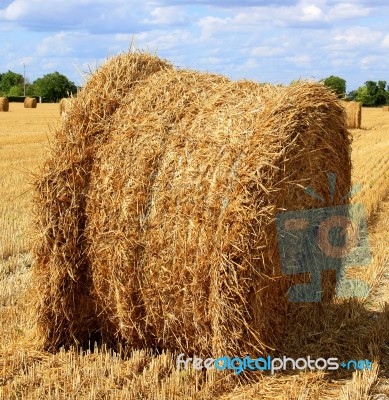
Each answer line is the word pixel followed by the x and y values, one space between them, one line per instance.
pixel 372 87
pixel 372 93
pixel 382 94
pixel 15 91
pixel 338 85
pixel 31 90
pixel 382 85
pixel 8 81
pixel 53 87
pixel 363 96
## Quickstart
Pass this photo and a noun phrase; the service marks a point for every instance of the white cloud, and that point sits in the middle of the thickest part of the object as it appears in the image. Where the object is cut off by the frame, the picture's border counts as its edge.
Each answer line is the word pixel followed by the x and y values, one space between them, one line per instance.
pixel 385 42
pixel 300 60
pixel 57 45
pixel 124 37
pixel 213 25
pixel 165 40
pixel 20 10
pixel 311 13
pixel 168 16
pixel 211 60
pixel 305 13
pixel 267 51
pixel 251 63
pixel 88 15
pixel 369 61
pixel 342 62
pixel 347 11
pixel 357 36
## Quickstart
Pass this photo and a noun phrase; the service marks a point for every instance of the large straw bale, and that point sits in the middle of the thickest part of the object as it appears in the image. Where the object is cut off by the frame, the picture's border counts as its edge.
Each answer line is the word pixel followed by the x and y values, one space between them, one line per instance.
pixel 30 102
pixel 156 209
pixel 354 113
pixel 4 104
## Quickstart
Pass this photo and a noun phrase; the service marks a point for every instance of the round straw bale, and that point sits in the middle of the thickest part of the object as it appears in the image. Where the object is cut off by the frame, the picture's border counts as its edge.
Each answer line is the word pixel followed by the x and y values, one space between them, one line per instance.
pixel 64 105
pixel 353 114
pixel 30 102
pixel 385 108
pixel 188 195
pixel 156 207
pixel 4 104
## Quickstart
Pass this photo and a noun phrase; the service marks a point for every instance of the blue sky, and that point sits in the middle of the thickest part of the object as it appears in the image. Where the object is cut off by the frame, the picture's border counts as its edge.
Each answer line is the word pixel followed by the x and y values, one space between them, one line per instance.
pixel 268 41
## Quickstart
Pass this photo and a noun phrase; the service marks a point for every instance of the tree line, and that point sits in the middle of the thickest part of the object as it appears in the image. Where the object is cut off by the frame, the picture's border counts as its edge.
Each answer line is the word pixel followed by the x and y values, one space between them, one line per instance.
pixel 55 86
pixel 371 94
pixel 52 87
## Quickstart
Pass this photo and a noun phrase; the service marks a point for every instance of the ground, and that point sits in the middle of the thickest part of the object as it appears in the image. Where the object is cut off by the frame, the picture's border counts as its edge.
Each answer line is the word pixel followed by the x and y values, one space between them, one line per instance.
pixel 349 329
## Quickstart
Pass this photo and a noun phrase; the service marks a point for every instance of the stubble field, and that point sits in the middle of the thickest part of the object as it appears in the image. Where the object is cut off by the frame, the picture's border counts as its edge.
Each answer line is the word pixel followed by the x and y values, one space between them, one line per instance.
pixel 26 373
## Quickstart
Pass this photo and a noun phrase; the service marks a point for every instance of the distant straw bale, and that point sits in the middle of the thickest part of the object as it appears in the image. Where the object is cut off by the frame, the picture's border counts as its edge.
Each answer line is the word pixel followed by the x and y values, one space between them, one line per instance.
pixel 30 102
pixel 4 104
pixel 155 210
pixel 64 105
pixel 354 113
pixel 385 108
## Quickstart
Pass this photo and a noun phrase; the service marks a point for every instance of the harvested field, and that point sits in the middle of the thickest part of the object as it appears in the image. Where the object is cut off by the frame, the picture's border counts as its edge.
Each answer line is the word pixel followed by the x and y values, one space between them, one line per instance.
pixel 346 328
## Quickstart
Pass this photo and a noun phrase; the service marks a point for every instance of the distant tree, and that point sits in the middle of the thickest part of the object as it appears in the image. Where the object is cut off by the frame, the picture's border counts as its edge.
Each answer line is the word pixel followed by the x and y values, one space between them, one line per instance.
pixel 9 80
pixel 381 85
pixel 362 95
pixel 53 87
pixel 15 91
pixel 30 90
pixel 372 87
pixel 382 94
pixel 372 94
pixel 351 95
pixel 338 85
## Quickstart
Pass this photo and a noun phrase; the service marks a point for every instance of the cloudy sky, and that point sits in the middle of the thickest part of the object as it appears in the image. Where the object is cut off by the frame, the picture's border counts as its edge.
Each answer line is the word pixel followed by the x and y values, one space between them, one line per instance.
pixel 269 41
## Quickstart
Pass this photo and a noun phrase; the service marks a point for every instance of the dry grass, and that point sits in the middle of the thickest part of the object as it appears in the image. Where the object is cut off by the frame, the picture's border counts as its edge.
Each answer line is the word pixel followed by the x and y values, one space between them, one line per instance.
pixel 370 159
pixel 358 328
pixel 21 151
